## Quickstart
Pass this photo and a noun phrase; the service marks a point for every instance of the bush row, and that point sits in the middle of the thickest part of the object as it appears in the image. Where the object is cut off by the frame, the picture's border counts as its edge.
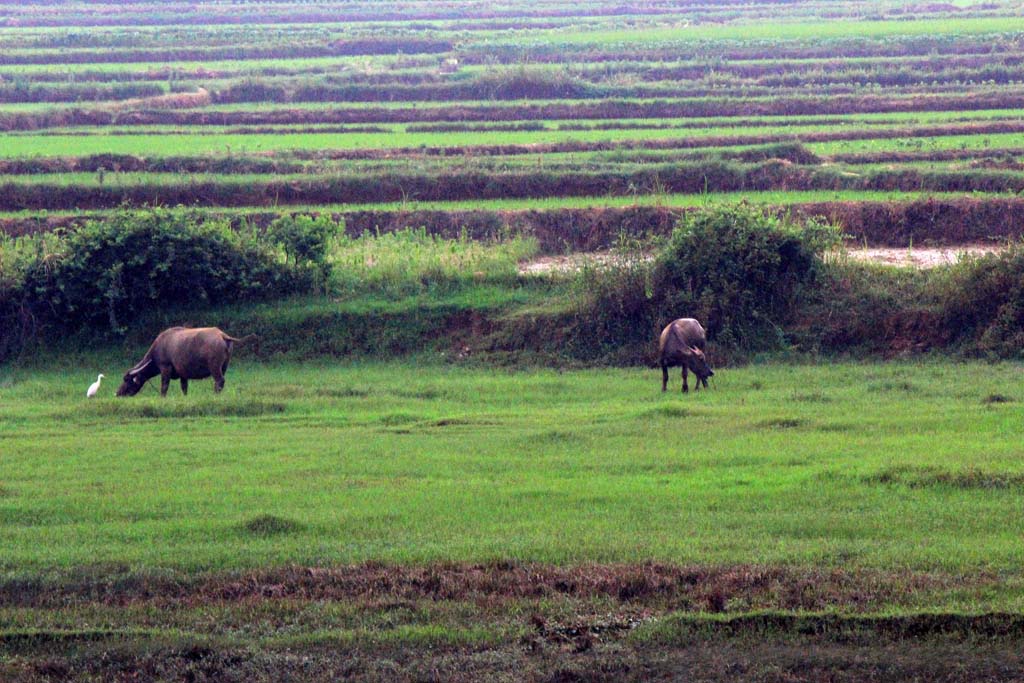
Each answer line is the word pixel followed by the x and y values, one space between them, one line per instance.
pixel 773 175
pixel 340 48
pixel 934 45
pixel 925 221
pixel 25 92
pixel 802 105
pixel 573 89
pixel 904 72
pixel 755 279
pixel 643 82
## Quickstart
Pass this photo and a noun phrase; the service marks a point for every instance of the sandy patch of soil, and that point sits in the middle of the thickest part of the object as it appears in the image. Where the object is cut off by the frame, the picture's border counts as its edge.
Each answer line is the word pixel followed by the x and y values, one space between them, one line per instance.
pixel 907 257
pixel 922 257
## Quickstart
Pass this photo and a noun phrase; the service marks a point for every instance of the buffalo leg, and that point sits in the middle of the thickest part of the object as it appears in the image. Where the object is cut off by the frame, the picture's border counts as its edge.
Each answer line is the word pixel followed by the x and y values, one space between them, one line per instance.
pixel 218 381
pixel 165 381
pixel 686 386
pixel 664 377
pixel 184 386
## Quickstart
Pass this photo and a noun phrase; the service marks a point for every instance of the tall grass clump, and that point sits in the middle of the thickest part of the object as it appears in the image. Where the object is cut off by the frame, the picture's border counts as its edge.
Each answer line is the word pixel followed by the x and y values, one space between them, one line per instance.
pixel 613 309
pixel 412 260
pixel 981 302
pixel 524 81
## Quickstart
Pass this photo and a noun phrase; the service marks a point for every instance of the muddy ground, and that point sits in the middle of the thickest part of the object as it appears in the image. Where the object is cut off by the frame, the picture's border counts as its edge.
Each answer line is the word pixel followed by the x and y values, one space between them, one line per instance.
pixel 504 622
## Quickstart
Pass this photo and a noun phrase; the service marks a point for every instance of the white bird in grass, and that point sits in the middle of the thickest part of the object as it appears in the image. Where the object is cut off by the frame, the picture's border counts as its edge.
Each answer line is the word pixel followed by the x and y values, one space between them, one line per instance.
pixel 94 387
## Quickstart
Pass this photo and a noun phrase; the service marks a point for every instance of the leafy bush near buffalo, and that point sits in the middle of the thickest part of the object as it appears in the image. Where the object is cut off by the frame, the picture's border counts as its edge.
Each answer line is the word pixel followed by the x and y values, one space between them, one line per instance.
pixel 306 242
pixel 982 303
pixel 304 238
pixel 111 272
pixel 740 271
pixel 737 269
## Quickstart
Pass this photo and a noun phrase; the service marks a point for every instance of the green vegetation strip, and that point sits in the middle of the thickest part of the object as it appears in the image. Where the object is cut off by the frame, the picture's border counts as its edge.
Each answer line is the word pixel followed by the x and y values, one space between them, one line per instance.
pixel 780 198
pixel 858 466
pixel 818 31
pixel 202 141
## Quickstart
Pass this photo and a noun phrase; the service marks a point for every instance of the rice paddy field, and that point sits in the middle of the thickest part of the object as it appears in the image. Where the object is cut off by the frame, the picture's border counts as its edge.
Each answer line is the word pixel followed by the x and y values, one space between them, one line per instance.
pixel 386 490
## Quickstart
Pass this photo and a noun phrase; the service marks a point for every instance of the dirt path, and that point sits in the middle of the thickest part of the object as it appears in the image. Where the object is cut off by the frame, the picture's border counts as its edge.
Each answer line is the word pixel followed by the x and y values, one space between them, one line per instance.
pixel 907 257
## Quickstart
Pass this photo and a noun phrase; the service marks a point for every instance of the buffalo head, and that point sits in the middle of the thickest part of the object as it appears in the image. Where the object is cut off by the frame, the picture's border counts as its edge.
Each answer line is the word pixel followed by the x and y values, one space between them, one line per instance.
pixel 698 362
pixel 131 384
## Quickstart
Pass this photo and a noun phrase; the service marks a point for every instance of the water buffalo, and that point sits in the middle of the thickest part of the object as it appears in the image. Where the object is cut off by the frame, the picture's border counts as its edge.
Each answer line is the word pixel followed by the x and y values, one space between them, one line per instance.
pixel 682 343
pixel 182 353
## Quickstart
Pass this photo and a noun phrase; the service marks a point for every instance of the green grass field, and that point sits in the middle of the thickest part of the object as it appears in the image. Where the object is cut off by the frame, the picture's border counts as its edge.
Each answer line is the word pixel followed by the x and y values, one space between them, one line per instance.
pixel 848 466
pixel 206 141
pixel 683 32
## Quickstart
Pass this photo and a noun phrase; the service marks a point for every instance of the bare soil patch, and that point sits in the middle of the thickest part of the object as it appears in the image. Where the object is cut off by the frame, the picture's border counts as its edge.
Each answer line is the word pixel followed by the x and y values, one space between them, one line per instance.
pixel 909 257
pixel 921 257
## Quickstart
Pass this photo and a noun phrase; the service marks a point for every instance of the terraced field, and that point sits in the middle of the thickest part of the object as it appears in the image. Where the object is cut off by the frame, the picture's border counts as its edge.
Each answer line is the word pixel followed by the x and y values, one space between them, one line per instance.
pixel 417 472
pixel 339 106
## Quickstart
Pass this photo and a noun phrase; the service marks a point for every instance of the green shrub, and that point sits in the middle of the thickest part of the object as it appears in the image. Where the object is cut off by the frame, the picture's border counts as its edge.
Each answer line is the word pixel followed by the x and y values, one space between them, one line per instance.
pixel 982 303
pixel 739 271
pixel 790 151
pixel 306 241
pixel 18 255
pixel 113 271
pixel 524 81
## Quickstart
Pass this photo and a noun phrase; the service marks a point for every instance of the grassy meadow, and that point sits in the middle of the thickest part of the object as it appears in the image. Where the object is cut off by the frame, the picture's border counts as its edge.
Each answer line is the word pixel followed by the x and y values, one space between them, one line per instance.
pixel 436 467
pixel 853 466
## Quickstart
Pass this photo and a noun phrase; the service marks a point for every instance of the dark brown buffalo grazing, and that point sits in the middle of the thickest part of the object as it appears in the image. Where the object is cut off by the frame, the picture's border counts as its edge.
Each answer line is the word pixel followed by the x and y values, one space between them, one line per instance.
pixel 182 353
pixel 682 343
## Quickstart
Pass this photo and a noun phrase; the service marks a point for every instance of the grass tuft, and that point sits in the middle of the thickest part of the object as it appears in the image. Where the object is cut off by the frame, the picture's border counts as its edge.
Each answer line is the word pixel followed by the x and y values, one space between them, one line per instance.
pixel 180 410
pixel 781 423
pixel 927 477
pixel 812 397
pixel 670 411
pixel 271 525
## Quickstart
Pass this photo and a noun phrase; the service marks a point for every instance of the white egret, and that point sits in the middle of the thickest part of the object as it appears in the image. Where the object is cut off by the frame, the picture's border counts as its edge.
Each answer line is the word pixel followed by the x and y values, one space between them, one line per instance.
pixel 94 387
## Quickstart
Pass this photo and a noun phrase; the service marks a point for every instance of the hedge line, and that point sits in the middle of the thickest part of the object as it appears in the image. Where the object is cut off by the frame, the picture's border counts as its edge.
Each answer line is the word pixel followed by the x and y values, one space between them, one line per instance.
pixel 606 109
pixel 340 48
pixel 948 222
pixel 779 146
pixel 1000 68
pixel 894 224
pixel 682 178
